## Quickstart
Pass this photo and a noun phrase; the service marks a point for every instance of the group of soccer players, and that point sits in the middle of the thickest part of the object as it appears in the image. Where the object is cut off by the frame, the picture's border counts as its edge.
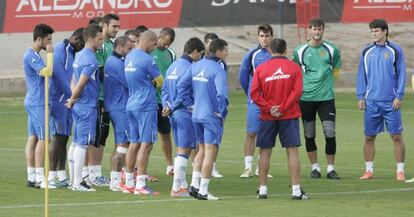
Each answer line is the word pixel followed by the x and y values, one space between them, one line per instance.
pixel 136 83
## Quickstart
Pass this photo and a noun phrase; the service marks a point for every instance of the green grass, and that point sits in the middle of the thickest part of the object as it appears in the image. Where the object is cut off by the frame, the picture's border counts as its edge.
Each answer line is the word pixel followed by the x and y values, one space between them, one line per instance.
pixel 382 196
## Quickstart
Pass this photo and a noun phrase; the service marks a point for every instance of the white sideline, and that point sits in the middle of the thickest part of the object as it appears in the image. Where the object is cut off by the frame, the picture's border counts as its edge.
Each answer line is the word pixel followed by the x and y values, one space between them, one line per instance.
pixel 191 199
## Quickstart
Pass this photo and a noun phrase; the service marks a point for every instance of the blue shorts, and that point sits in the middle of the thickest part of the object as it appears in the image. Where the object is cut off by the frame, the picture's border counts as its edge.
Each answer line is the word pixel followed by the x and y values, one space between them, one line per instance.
pixel 183 129
pixel 288 131
pixel 143 126
pixel 36 121
pixel 209 132
pixel 84 119
pixel 60 119
pixel 119 119
pixel 252 118
pixel 377 113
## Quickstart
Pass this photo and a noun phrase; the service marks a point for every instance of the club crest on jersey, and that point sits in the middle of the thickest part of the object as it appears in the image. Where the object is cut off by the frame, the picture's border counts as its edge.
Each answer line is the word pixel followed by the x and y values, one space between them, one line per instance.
pixel 278 75
pixel 322 53
pixel 386 55
pixel 173 75
pixel 200 77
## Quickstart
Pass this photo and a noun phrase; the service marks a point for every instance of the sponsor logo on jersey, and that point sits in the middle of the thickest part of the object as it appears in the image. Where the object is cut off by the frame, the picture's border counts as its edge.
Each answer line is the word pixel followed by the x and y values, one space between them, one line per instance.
pixel 173 75
pixel 278 75
pixel 129 67
pixel 200 77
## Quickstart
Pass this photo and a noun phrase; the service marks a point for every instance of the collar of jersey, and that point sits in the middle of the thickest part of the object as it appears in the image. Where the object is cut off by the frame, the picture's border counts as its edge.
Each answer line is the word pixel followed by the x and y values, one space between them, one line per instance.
pixel 186 57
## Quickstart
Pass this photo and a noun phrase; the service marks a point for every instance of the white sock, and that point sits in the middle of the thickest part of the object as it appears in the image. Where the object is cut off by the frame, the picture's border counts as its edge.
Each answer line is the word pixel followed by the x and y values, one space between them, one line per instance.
pixel 204 186
pixel 195 179
pixel 214 166
pixel 316 166
pixel 400 167
pixel 369 166
pixel 95 171
pixel 31 174
pixel 184 183
pixel 52 175
pixel 129 180
pixel 263 190
pixel 85 172
pixel 70 162
pixel 140 181
pixel 180 168
pixel 79 155
pixel 61 175
pixel 115 178
pixel 296 190
pixel 248 161
pixel 329 168
pixel 40 174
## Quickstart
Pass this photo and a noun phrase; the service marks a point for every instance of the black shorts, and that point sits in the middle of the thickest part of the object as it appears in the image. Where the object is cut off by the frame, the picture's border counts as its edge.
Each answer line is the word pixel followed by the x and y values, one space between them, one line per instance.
pixel 164 126
pixel 326 110
pixel 102 126
pixel 288 130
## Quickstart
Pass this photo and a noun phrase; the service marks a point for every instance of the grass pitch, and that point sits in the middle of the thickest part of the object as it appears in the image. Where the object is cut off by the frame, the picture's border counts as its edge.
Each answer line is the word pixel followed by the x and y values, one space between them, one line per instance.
pixel 382 196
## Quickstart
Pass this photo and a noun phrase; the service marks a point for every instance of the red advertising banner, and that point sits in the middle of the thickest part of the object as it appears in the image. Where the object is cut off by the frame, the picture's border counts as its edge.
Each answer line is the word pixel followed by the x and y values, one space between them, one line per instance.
pixel 367 10
pixel 67 15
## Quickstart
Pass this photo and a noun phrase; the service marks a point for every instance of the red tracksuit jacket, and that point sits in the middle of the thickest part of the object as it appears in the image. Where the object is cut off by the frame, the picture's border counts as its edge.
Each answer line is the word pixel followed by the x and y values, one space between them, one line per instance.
pixel 277 81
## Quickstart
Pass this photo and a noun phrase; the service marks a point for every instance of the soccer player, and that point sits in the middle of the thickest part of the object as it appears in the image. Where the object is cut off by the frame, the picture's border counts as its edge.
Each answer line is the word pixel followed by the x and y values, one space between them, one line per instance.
pixel 279 113
pixel 60 116
pixel 164 56
pixel 84 101
pixel 116 97
pixel 180 116
pixel 133 36
pixel 320 61
pixel 204 89
pixel 142 77
pixel 380 90
pixel 35 71
pixel 110 28
pixel 250 62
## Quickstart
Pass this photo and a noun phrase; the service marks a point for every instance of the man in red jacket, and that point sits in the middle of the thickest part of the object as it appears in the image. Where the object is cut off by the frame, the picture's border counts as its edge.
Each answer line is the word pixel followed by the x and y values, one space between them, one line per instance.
pixel 276 89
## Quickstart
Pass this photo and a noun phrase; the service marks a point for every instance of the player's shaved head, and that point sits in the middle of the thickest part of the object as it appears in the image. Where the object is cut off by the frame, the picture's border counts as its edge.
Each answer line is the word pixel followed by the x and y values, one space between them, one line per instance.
pixel 147 41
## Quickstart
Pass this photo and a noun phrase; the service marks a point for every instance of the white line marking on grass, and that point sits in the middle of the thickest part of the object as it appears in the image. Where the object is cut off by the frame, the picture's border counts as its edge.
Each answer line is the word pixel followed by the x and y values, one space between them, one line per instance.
pixel 190 199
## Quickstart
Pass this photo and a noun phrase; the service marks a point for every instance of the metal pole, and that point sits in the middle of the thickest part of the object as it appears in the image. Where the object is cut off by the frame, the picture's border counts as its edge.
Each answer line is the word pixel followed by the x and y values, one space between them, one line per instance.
pixel 280 12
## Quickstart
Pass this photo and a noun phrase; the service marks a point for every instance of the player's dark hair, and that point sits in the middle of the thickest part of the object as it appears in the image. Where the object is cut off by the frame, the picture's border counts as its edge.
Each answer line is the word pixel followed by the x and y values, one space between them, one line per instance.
pixel 193 44
pixel 379 23
pixel 141 28
pixel 210 36
pixel 278 46
pixel 265 28
pixel 121 41
pixel 91 31
pixel 96 20
pixel 132 32
pixel 42 31
pixel 217 44
pixel 316 23
pixel 108 17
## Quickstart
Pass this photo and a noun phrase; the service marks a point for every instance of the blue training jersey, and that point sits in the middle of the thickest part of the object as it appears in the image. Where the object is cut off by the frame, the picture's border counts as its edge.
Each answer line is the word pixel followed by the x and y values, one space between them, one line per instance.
pixel 208 82
pixel 381 73
pixel 64 54
pixel 115 84
pixel 176 70
pixel 140 71
pixel 86 64
pixel 250 62
pixel 35 83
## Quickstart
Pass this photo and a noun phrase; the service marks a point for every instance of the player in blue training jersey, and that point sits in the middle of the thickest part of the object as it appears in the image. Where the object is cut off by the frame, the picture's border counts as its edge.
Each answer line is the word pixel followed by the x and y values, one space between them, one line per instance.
pixel 116 97
pixel 180 116
pixel 250 62
pixel 60 116
pixel 143 77
pixel 203 89
pixel 84 101
pixel 35 70
pixel 380 90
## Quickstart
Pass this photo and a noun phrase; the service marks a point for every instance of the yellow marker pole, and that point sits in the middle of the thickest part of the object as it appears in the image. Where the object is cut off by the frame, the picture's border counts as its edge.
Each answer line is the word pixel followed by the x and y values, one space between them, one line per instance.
pixel 47 146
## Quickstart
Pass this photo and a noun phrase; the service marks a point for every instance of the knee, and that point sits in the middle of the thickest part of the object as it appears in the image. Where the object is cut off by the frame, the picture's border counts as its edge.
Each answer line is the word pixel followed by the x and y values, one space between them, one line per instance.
pixel 309 129
pixel 328 129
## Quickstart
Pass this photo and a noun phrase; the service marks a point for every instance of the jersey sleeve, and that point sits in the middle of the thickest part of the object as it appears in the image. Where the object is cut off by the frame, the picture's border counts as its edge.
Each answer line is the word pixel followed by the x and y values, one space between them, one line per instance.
pixel 400 72
pixel 36 64
pixel 256 92
pixel 153 70
pixel 295 56
pixel 89 71
pixel 337 61
pixel 361 83
pixel 296 92
pixel 221 88
pixel 244 74
pixel 58 73
pixel 184 89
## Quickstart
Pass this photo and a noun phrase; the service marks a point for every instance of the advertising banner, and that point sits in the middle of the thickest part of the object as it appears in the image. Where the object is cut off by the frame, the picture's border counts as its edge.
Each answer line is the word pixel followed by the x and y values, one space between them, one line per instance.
pixel 67 15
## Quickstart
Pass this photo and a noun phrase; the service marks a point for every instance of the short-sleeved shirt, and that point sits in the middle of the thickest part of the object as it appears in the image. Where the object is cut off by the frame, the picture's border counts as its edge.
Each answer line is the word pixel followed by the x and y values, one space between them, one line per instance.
pixel 163 58
pixel 35 83
pixel 86 64
pixel 140 71
pixel 317 65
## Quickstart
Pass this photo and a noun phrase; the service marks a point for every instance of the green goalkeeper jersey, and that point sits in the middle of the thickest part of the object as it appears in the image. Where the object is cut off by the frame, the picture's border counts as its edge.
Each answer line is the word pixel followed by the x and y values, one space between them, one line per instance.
pixel 318 65
pixel 101 56
pixel 163 59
